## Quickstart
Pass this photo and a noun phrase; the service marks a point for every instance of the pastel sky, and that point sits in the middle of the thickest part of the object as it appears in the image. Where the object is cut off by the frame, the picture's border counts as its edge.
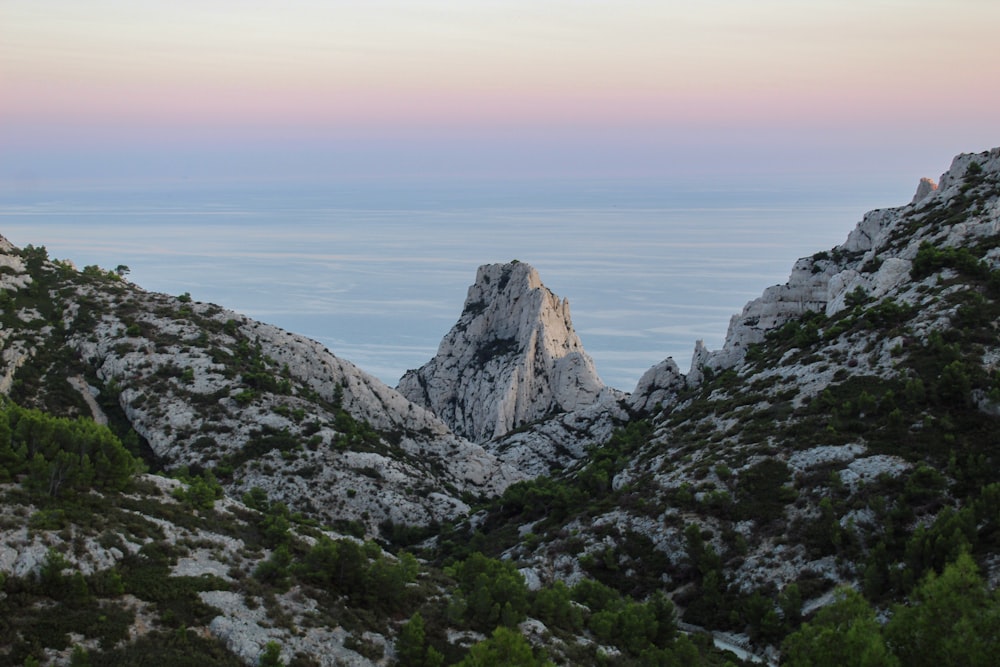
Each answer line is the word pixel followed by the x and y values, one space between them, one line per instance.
pixel 487 87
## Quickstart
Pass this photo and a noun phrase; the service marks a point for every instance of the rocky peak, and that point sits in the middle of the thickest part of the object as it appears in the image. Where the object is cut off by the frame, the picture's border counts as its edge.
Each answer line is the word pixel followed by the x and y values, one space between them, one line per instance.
pixel 513 357
pixel 659 385
pixel 925 188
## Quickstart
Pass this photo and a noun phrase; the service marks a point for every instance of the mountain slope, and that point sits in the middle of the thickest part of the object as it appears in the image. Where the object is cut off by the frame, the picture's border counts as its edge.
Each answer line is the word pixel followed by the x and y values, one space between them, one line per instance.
pixel 877 257
pixel 112 567
pixel 846 433
pixel 204 387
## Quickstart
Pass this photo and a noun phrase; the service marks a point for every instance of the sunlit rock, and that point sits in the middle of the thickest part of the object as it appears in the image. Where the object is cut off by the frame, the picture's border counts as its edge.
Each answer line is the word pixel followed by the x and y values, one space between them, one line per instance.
pixel 512 358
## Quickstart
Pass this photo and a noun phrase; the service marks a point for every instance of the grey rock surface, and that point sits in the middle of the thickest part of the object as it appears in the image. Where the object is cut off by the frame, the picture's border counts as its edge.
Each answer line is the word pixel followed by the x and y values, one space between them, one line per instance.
pixel 512 358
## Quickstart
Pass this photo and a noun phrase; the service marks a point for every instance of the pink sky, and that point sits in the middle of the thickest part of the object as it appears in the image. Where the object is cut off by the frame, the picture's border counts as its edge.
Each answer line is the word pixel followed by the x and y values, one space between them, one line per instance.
pixel 854 78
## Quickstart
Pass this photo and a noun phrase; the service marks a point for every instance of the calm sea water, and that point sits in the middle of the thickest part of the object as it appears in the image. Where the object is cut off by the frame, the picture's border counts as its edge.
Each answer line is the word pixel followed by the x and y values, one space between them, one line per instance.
pixel 379 274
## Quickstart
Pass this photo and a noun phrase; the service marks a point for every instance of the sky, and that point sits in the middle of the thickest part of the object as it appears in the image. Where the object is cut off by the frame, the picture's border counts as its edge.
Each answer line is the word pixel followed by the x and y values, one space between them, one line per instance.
pixel 114 92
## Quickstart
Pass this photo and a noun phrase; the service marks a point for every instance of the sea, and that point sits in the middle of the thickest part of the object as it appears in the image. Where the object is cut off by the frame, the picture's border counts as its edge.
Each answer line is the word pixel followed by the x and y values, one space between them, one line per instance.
pixel 378 272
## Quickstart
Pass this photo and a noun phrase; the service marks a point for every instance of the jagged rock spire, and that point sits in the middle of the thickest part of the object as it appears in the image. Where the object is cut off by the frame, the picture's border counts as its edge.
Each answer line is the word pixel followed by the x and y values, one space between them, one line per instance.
pixel 925 188
pixel 512 358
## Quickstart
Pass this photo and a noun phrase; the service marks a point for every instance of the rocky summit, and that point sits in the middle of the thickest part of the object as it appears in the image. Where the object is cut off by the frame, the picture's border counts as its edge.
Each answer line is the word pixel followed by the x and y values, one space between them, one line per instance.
pixel 822 489
pixel 512 358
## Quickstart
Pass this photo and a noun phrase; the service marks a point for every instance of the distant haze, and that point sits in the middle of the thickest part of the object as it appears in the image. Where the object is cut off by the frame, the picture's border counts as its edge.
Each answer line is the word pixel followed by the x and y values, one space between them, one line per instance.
pixel 109 91
pixel 380 274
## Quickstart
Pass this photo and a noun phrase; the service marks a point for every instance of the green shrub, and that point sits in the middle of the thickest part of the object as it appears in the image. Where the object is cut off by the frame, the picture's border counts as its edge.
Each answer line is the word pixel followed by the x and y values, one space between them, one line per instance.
pixel 58 455
pixel 504 647
pixel 200 492
pixel 761 491
pixel 412 648
pixel 491 593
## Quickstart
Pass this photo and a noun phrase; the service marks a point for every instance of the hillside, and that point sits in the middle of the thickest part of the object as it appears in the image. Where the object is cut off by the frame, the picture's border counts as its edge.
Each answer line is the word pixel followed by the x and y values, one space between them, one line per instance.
pixel 845 435
pixel 199 386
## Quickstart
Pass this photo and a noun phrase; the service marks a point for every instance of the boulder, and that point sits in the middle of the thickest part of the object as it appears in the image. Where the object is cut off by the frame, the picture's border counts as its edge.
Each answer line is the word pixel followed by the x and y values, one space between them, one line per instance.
pixel 658 386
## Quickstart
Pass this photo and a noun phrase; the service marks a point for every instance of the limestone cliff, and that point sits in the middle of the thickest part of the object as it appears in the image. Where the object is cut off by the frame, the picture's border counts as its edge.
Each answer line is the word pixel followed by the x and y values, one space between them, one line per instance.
pixel 874 260
pixel 512 358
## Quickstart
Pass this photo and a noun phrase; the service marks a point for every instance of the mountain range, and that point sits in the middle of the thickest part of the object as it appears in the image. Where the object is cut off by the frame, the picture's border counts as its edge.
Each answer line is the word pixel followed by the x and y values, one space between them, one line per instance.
pixel 181 480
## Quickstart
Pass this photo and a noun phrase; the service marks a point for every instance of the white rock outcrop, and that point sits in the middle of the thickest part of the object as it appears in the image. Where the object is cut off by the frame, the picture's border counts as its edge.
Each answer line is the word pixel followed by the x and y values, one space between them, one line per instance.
pixel 556 444
pixel 657 386
pixel 925 188
pixel 876 258
pixel 806 290
pixel 512 358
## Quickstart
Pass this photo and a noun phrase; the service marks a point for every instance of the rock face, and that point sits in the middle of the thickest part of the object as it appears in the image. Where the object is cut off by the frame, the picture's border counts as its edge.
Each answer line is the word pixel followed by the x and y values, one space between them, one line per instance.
pixel 806 290
pixel 512 358
pixel 874 261
pixel 557 444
